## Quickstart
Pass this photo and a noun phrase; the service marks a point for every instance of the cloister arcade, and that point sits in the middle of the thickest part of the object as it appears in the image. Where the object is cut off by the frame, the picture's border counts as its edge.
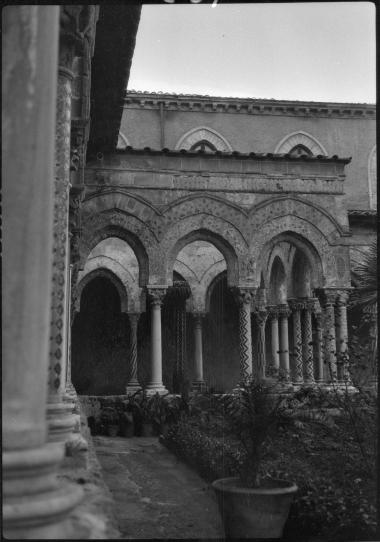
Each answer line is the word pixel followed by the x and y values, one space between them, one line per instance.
pixel 204 299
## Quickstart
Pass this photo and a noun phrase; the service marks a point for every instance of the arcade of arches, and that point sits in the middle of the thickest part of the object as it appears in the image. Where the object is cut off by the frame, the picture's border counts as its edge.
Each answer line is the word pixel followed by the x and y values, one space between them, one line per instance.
pixel 202 301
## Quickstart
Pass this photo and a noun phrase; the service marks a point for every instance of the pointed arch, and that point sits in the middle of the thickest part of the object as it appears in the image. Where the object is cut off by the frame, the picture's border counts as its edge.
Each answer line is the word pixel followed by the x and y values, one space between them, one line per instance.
pixel 109 274
pixel 122 141
pixel 300 138
pixel 203 133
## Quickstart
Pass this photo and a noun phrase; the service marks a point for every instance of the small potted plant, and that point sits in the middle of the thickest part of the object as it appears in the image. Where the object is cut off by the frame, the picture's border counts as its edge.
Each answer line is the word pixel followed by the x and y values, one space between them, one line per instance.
pixel 110 418
pixel 252 506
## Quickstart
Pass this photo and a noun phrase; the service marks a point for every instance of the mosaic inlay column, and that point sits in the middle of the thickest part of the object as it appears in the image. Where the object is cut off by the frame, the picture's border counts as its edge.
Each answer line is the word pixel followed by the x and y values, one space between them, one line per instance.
pixel 342 336
pixel 330 337
pixel 319 344
pixel 284 314
pixel 244 298
pixel 35 505
pixel 133 383
pixel 198 382
pixel 308 343
pixel 261 318
pixel 155 384
pixel 296 307
pixel 59 413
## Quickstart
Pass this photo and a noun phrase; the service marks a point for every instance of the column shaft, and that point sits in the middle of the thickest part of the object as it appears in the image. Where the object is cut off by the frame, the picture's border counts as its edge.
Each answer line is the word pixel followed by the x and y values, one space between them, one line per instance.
pixel 297 340
pixel 198 352
pixel 308 346
pixel 34 505
pixel 133 383
pixel 155 384
pixel 320 349
pixel 284 344
pixel 342 337
pixel 275 344
pixel 244 299
pixel 330 337
pixel 261 318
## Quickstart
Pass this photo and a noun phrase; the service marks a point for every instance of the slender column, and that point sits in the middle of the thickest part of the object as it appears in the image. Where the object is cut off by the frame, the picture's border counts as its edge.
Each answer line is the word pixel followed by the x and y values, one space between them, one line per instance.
pixel 330 337
pixel 155 384
pixel 284 313
pixel 296 307
pixel 70 393
pixel 342 336
pixel 35 506
pixel 319 344
pixel 133 383
pixel 275 358
pixel 198 382
pixel 244 298
pixel 261 318
pixel 308 343
pixel 59 413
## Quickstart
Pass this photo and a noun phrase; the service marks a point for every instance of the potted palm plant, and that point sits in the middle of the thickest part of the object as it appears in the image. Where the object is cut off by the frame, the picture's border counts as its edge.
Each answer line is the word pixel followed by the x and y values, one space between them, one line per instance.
pixel 252 506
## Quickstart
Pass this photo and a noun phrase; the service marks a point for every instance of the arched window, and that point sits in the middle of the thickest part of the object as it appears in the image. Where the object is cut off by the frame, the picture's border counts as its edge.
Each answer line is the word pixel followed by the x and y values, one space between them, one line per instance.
pixel 300 150
pixel 203 145
pixel 303 140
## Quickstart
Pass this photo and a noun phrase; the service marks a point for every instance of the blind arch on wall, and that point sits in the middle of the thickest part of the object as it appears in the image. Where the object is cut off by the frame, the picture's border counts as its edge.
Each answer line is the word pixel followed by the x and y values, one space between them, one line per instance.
pixel 203 133
pixel 295 139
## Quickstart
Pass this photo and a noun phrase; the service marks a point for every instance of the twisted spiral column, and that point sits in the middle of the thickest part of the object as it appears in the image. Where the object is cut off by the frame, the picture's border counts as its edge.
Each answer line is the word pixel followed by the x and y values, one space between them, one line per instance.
pixel 133 383
pixel 308 343
pixel 296 306
pixel 261 318
pixel 244 299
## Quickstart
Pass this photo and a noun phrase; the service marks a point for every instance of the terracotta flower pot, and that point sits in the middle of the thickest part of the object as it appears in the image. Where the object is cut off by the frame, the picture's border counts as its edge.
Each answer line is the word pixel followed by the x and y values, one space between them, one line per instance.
pixel 254 512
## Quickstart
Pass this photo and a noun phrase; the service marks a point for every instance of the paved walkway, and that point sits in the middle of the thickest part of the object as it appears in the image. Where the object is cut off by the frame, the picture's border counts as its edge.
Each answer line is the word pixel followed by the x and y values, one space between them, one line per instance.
pixel 156 495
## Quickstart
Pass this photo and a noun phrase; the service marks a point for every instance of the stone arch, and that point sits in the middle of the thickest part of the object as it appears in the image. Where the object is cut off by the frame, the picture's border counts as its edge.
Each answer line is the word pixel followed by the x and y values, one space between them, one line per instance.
pixel 220 276
pixel 187 140
pixel 277 291
pixel 216 231
pixel 122 141
pixel 119 200
pixel 129 229
pixel 300 138
pixel 304 236
pixel 372 178
pixel 133 291
pixel 112 277
pixel 281 206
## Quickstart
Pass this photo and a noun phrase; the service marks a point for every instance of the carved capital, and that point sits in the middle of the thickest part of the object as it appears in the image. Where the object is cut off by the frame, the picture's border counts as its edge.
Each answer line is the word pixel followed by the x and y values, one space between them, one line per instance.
pixel 296 304
pixel 273 311
pixel 283 310
pixel 342 297
pixel 77 26
pixel 329 296
pixel 134 318
pixel 156 295
pixel 261 316
pixel 198 317
pixel 244 296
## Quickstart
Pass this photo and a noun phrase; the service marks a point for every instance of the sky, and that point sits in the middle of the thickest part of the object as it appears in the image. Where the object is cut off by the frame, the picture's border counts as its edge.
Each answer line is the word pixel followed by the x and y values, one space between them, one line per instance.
pixel 313 51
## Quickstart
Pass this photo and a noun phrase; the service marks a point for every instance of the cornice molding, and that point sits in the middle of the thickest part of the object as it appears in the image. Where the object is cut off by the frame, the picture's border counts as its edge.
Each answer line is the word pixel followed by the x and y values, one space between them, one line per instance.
pixel 252 106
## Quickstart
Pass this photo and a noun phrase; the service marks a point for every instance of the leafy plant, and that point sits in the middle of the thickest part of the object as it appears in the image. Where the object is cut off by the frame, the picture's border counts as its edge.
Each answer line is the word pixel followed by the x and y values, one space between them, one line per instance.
pixel 255 413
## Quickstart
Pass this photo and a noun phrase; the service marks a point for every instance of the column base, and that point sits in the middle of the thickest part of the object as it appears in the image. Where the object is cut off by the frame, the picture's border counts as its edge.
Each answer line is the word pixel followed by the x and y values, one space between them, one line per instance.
pixel 151 389
pixel 132 387
pixel 70 395
pixel 35 505
pixel 199 385
pixel 61 421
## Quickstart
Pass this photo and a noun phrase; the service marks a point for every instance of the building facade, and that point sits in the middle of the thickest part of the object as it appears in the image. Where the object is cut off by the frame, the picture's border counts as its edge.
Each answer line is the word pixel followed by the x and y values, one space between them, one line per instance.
pixel 225 231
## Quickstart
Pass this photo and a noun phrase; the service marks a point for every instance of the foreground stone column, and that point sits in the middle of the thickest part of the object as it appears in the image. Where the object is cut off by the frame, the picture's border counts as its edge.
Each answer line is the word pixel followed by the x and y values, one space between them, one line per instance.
pixel 70 393
pixel 330 337
pixel 296 307
pixel 342 337
pixel 59 412
pixel 244 298
pixel 273 312
pixel 133 383
pixel 308 343
pixel 35 506
pixel 284 314
pixel 155 384
pixel 198 382
pixel 261 318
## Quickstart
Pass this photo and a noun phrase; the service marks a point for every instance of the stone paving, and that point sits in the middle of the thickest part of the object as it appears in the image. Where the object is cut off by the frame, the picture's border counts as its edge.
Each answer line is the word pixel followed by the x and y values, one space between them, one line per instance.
pixel 156 495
